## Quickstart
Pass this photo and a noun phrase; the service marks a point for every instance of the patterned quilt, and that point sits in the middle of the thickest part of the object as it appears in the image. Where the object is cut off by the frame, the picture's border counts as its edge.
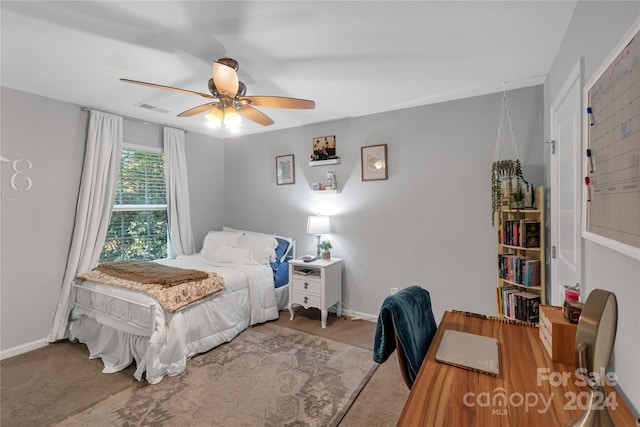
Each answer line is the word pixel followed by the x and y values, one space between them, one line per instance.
pixel 172 298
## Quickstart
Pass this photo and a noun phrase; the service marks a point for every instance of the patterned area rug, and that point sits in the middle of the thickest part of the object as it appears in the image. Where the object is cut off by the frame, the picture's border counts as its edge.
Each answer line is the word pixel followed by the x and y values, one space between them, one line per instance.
pixel 268 375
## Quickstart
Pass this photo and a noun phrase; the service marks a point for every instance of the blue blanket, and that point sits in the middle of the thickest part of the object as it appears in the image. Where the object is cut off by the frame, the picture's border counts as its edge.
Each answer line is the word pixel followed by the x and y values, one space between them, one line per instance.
pixel 408 314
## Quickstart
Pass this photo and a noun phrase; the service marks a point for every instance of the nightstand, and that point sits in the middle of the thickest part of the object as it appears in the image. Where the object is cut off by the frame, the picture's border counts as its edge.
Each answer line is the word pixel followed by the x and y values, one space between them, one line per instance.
pixel 316 284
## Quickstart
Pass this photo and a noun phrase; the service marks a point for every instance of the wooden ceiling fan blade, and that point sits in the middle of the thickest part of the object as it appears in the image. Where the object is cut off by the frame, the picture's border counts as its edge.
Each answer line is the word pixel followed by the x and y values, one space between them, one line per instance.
pixel 255 115
pixel 197 110
pixel 175 89
pixel 225 78
pixel 280 102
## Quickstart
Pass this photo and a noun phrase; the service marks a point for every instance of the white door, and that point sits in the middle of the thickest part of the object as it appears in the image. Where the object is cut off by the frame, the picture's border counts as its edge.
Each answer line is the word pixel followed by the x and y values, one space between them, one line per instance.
pixel 565 187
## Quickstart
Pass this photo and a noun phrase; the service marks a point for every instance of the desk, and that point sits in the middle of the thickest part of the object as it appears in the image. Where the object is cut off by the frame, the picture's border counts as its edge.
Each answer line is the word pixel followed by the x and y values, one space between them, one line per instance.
pixel 521 395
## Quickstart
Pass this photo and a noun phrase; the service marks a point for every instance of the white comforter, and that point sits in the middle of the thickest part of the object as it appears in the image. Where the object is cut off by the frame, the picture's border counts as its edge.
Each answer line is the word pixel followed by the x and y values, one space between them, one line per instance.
pixel 249 298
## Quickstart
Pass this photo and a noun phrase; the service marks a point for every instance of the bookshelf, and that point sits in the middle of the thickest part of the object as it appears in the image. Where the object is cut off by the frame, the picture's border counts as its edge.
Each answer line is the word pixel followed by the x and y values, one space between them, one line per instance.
pixel 521 260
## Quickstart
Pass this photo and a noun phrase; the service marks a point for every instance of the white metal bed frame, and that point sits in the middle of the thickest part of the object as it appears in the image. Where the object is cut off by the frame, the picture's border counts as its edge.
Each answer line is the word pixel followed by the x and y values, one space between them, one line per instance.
pixel 145 329
pixel 141 328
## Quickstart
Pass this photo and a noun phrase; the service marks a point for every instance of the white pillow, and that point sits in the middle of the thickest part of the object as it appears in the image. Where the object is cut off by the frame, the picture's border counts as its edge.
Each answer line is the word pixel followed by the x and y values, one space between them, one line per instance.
pixel 227 254
pixel 262 247
pixel 288 239
pixel 214 239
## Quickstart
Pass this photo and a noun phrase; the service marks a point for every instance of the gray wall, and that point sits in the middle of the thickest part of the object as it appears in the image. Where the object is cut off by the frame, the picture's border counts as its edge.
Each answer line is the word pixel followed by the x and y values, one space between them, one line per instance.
pixel 595 31
pixel 36 228
pixel 429 223
pixel 205 159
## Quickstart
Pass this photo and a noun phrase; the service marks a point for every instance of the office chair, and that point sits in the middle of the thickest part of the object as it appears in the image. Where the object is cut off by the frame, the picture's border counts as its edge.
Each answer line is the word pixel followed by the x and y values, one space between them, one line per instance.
pixel 405 323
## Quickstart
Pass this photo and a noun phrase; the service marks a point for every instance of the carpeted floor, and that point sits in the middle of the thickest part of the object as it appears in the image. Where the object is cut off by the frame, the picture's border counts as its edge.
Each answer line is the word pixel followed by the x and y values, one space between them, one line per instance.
pixel 380 402
pixel 49 385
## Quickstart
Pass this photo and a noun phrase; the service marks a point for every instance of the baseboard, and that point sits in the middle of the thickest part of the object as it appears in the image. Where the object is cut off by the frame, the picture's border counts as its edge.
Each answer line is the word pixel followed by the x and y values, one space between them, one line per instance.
pixel 21 349
pixel 357 314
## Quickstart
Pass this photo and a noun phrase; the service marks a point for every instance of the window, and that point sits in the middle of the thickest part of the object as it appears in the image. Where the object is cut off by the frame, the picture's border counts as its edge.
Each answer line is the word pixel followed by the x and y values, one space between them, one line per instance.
pixel 138 227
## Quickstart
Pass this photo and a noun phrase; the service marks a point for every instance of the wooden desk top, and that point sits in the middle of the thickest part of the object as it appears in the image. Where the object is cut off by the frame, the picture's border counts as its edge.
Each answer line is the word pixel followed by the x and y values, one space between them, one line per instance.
pixel 522 395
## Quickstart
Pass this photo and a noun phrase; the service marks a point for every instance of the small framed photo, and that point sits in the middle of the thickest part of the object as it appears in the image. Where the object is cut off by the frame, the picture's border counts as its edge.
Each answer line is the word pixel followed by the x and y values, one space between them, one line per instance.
pixel 324 147
pixel 374 162
pixel 285 170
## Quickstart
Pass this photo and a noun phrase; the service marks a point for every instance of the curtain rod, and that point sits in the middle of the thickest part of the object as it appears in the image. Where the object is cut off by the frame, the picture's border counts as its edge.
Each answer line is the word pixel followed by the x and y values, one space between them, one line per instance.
pixel 146 122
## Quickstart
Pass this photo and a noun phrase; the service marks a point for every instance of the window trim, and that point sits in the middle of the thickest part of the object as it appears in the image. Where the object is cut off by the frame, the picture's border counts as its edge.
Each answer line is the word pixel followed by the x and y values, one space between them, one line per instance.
pixel 142 147
pixel 138 208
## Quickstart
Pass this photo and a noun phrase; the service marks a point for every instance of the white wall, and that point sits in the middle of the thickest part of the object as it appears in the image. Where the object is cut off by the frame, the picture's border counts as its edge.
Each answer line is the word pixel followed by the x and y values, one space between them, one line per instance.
pixel 36 229
pixel 596 29
pixel 429 223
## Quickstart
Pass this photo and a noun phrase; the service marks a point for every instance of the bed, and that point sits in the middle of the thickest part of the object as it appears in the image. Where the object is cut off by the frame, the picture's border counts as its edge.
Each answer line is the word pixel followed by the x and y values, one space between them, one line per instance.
pixel 122 326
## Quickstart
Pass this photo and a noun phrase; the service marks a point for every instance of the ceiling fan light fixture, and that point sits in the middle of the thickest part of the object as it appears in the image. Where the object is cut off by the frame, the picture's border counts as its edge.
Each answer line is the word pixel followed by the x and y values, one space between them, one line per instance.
pixel 232 119
pixel 215 116
pixel 229 100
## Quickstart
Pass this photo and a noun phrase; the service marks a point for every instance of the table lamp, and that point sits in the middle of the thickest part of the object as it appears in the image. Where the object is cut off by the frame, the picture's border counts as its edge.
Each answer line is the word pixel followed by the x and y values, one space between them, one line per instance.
pixel 318 225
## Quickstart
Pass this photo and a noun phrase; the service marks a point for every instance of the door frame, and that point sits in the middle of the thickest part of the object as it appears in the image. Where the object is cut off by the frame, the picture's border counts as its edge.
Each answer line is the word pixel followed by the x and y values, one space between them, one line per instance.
pixel 574 77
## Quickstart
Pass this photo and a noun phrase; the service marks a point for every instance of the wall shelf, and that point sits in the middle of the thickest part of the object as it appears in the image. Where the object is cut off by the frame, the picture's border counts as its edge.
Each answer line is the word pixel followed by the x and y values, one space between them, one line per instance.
pixel 325 191
pixel 325 162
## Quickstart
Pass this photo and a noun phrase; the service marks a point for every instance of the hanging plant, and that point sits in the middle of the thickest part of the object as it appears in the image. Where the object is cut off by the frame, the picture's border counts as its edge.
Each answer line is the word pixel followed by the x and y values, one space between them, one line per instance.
pixel 504 171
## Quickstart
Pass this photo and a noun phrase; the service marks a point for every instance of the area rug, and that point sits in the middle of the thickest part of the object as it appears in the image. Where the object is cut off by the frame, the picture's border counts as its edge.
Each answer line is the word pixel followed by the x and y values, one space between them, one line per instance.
pixel 268 375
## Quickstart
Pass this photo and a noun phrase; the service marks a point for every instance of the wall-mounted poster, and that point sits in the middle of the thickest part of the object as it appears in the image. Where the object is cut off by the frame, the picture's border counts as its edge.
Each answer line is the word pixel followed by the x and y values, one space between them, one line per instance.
pixel 324 148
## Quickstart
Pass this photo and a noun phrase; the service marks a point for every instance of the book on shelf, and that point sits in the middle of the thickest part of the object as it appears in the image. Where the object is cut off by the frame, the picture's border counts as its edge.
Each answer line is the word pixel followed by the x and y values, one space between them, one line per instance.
pixel 518 304
pixel 501 295
pixel 506 302
pixel 303 271
pixel 509 234
pixel 527 306
pixel 530 234
pixel 531 273
pixel 523 233
pixel 519 269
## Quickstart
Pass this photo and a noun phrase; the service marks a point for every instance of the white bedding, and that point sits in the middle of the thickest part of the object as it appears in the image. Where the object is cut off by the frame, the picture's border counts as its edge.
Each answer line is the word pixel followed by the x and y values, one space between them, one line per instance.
pixel 249 298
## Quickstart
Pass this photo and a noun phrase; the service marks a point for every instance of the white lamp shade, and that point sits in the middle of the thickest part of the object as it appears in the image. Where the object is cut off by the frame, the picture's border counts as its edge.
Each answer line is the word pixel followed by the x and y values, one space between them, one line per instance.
pixel 318 225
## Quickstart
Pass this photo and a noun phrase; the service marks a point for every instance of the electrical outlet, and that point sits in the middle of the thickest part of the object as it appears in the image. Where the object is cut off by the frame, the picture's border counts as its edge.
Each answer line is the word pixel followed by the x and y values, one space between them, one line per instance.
pixel 393 291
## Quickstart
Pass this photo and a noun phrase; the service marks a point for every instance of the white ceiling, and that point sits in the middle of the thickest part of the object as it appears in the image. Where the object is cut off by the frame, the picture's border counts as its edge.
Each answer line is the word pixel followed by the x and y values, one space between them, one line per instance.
pixel 352 58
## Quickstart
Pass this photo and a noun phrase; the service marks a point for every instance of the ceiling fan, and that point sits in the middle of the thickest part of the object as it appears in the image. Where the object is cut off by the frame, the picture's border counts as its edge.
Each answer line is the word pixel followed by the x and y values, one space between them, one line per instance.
pixel 229 98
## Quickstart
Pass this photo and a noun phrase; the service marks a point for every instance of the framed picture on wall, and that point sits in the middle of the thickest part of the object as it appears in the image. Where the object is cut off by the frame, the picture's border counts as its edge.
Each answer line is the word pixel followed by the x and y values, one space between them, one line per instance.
pixel 374 162
pixel 324 147
pixel 285 169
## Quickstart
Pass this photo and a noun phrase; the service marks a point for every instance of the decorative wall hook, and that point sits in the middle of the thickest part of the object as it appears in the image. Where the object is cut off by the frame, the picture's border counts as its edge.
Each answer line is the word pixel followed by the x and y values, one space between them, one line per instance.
pixel 17 182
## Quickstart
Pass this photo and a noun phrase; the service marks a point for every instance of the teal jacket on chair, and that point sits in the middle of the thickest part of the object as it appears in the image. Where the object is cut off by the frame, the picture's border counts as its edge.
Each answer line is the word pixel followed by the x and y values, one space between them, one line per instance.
pixel 406 317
